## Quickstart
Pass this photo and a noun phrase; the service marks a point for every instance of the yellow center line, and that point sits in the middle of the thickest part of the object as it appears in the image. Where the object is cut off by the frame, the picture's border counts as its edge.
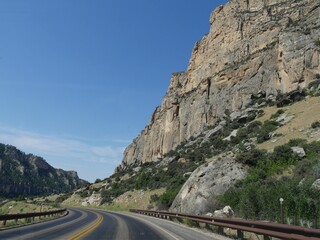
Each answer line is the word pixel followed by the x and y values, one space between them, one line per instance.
pixel 88 229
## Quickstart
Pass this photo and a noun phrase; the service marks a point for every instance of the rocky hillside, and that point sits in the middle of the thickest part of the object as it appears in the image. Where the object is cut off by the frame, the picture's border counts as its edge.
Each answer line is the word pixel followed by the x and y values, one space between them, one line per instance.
pixel 28 175
pixel 241 127
pixel 261 47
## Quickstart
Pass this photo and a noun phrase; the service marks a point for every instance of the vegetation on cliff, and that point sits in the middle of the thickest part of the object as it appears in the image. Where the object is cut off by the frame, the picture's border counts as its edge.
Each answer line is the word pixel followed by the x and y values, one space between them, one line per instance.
pixel 276 174
pixel 279 174
pixel 28 175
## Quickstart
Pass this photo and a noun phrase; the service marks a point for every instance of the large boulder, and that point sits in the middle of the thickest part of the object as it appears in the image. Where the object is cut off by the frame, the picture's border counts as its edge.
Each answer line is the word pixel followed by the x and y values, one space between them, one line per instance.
pixel 299 151
pixel 208 180
pixel 225 212
pixel 94 200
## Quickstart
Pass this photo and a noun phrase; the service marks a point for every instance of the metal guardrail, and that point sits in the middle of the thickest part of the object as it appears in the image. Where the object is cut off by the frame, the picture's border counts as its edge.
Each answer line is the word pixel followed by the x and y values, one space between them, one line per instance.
pixel 29 216
pixel 268 230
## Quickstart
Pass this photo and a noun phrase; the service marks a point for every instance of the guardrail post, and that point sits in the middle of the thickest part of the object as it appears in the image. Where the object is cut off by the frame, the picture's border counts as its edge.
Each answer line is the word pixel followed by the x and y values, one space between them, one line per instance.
pixel 208 226
pixel 239 234
pixel 4 222
pixel 179 219
pixel 220 230
pixel 265 237
pixel 315 222
pixel 196 224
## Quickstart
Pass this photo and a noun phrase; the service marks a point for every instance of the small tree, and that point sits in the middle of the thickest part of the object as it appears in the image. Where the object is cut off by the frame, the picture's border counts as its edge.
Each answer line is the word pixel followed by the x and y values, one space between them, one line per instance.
pixel 97 180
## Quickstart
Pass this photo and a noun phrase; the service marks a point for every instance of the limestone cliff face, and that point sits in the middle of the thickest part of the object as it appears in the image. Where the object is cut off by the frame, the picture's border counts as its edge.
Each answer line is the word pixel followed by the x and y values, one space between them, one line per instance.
pixel 252 46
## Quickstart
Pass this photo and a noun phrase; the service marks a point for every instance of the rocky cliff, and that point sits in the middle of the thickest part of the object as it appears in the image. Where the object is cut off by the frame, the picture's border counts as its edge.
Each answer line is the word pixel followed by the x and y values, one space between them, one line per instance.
pixel 28 175
pixel 252 46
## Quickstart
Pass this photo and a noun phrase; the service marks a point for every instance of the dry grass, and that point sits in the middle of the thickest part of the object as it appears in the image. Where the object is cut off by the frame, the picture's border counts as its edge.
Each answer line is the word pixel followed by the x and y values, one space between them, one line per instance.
pixel 133 199
pixel 13 207
pixel 74 201
pixel 16 207
pixel 305 113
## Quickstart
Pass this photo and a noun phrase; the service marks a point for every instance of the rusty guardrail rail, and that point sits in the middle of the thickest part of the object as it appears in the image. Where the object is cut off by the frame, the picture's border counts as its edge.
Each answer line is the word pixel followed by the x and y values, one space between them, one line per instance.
pixel 268 230
pixel 29 216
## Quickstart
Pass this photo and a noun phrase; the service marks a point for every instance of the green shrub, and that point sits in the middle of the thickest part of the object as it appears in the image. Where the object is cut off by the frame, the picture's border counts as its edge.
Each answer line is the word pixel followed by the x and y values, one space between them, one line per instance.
pixel 189 223
pixel 154 198
pixel 84 194
pixel 218 143
pixel 251 157
pixel 263 136
pixel 167 197
pixel 257 196
pixel 277 114
pixel 63 197
pixel 143 181
pixel 314 84
pixel 297 142
pixel 267 128
pixel 98 180
pixel 315 124
pixel 254 126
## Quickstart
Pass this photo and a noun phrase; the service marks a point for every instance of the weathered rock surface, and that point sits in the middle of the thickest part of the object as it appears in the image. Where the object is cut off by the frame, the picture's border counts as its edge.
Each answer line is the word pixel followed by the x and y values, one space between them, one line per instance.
pixel 252 47
pixel 225 212
pixel 210 179
pixel 93 200
pixel 299 151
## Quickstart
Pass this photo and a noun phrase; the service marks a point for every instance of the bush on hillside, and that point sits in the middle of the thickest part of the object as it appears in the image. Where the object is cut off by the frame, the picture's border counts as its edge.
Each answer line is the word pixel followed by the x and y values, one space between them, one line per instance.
pixel 315 124
pixel 257 196
pixel 265 131
pixel 251 158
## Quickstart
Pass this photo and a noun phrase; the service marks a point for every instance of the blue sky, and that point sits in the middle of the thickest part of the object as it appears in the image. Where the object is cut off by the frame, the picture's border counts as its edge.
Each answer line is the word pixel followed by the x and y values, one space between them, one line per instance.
pixel 80 79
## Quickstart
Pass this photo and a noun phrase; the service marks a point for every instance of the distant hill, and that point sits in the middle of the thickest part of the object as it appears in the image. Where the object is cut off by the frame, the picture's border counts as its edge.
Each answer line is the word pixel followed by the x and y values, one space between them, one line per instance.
pixel 29 175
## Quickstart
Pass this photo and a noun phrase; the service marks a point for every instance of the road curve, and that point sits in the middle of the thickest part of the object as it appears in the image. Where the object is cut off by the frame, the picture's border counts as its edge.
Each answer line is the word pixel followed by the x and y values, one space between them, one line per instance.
pixel 89 224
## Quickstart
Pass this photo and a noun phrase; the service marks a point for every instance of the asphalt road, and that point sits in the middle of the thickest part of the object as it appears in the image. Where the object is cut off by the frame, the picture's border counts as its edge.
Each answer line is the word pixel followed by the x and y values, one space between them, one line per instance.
pixel 97 224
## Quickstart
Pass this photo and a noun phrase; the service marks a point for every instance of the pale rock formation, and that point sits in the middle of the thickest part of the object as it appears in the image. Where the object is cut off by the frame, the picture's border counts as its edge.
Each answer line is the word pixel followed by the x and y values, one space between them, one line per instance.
pixel 299 151
pixel 252 47
pixel 232 134
pixel 210 179
pixel 94 199
pixel 283 119
pixel 225 212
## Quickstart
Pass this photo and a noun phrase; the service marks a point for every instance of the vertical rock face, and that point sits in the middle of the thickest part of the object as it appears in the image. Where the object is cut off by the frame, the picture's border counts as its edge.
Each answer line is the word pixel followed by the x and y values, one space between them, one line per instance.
pixel 252 46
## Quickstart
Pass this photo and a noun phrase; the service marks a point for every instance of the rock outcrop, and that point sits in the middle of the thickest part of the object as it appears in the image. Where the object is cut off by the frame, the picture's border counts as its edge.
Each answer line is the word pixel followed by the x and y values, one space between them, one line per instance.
pixel 28 175
pixel 252 47
pixel 93 200
pixel 208 180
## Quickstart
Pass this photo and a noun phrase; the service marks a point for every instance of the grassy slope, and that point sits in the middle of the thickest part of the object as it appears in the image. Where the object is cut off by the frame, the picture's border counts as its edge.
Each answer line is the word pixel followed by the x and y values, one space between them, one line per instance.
pixel 305 113
pixel 13 207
